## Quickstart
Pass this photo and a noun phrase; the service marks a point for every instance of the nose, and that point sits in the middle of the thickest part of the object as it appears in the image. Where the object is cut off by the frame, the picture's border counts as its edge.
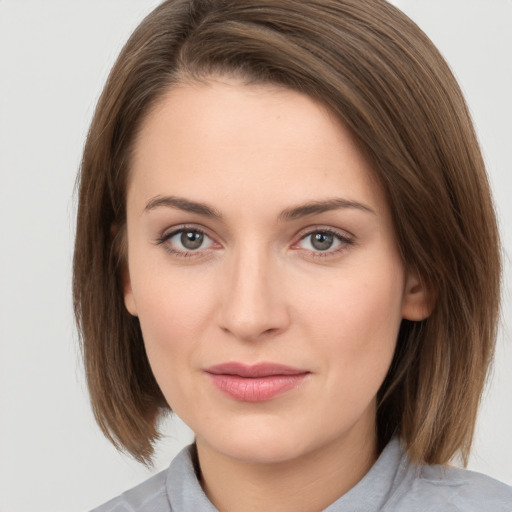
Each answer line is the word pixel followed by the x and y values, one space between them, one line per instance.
pixel 254 304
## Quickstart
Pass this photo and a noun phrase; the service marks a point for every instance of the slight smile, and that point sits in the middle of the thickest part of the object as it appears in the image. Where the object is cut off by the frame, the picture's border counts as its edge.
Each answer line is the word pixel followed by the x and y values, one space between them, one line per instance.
pixel 255 383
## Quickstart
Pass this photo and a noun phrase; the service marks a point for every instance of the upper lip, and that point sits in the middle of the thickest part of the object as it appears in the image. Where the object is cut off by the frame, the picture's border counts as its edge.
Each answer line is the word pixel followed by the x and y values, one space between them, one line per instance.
pixel 254 371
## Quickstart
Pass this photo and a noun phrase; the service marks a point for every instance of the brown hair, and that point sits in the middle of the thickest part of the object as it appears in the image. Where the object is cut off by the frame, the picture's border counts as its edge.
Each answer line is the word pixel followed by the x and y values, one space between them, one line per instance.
pixel 385 80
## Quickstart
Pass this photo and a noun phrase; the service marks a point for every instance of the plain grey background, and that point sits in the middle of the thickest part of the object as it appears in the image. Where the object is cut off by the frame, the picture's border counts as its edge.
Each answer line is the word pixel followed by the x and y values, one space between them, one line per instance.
pixel 54 59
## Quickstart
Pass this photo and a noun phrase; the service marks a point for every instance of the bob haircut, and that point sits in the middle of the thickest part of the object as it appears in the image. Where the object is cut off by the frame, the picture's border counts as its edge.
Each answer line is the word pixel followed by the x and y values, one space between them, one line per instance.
pixel 384 80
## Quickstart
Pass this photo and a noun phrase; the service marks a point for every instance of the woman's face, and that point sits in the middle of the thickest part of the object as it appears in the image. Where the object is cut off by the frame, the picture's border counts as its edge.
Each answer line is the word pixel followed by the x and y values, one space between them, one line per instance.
pixel 263 268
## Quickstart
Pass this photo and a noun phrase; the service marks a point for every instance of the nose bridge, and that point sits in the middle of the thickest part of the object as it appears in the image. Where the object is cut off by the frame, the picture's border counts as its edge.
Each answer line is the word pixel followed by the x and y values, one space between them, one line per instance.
pixel 253 303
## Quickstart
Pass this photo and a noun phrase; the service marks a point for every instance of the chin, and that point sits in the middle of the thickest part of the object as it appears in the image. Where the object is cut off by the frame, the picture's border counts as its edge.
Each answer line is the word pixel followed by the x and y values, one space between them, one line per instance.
pixel 263 451
pixel 261 444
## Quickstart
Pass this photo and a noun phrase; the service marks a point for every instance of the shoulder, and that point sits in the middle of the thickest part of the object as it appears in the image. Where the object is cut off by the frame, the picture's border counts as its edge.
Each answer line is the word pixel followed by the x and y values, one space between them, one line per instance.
pixel 450 489
pixel 148 496
pixel 175 489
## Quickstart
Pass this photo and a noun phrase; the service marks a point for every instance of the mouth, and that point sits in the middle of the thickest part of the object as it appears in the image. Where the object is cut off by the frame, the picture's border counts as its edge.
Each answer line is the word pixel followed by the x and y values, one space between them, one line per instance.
pixel 255 383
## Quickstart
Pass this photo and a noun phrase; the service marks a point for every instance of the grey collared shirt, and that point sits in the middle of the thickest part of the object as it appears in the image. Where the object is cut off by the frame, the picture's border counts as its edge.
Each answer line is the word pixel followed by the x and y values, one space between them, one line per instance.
pixel 393 484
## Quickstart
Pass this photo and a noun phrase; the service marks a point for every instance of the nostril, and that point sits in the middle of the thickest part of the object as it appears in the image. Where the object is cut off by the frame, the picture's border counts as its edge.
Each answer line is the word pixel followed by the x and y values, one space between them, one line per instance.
pixel 250 332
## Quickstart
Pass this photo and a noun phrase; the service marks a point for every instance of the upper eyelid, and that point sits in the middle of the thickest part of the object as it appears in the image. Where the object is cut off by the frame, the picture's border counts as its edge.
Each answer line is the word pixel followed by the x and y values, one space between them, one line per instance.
pixel 345 239
pixel 166 235
pixel 342 233
pixel 344 243
pixel 169 232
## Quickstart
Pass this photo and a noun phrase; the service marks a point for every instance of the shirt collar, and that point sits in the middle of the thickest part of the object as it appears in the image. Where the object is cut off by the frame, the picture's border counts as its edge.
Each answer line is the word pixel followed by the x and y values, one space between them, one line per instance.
pixel 185 493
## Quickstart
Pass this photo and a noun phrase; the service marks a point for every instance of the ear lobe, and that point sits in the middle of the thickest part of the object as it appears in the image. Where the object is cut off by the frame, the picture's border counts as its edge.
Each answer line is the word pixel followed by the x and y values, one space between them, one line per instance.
pixel 129 300
pixel 417 302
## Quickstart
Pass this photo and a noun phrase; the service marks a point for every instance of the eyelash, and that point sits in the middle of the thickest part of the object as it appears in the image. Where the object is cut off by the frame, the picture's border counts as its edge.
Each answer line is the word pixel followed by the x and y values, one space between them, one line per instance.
pixel 344 241
pixel 181 253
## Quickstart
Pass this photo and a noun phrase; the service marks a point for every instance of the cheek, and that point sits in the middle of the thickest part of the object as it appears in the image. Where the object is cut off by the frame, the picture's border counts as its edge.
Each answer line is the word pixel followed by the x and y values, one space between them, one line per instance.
pixel 171 314
pixel 356 324
pixel 174 312
pixel 171 322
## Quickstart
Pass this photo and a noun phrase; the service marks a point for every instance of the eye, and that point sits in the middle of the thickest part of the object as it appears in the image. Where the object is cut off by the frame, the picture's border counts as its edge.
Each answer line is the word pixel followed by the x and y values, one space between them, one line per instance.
pixel 190 240
pixel 323 240
pixel 185 241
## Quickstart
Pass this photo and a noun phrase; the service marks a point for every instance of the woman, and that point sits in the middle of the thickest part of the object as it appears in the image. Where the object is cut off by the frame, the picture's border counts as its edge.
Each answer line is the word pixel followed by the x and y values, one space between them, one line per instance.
pixel 285 235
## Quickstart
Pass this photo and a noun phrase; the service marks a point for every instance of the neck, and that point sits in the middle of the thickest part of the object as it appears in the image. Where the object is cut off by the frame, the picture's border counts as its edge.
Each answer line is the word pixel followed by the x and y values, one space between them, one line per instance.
pixel 310 482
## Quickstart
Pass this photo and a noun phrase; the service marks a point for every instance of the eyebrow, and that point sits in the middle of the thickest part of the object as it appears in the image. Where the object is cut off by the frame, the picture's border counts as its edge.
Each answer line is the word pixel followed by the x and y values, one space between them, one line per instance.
pixel 179 203
pixel 316 207
pixel 296 212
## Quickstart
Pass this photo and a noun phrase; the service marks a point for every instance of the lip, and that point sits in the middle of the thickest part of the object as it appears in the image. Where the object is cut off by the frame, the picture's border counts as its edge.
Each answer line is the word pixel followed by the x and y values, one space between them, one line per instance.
pixel 255 383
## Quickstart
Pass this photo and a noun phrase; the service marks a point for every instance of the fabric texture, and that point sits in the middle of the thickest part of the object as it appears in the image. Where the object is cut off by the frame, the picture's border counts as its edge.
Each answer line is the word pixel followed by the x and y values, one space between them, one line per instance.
pixel 393 484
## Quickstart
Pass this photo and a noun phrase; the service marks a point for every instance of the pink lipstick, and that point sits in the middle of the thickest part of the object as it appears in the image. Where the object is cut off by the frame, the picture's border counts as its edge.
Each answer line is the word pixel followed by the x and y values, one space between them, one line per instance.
pixel 255 383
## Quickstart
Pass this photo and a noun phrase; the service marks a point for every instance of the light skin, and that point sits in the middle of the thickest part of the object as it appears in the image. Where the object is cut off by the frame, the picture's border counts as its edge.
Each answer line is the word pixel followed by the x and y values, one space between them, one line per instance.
pixel 290 258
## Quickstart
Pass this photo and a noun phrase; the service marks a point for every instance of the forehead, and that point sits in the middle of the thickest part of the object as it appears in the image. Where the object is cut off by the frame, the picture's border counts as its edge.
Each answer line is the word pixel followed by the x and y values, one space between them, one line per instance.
pixel 226 139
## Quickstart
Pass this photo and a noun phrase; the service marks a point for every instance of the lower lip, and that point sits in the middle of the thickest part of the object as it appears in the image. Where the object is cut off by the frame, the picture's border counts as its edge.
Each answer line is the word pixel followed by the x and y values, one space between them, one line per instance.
pixel 258 389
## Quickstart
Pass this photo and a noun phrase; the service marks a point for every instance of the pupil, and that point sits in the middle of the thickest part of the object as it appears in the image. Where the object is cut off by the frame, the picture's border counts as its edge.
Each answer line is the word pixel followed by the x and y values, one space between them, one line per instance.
pixel 322 241
pixel 191 239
